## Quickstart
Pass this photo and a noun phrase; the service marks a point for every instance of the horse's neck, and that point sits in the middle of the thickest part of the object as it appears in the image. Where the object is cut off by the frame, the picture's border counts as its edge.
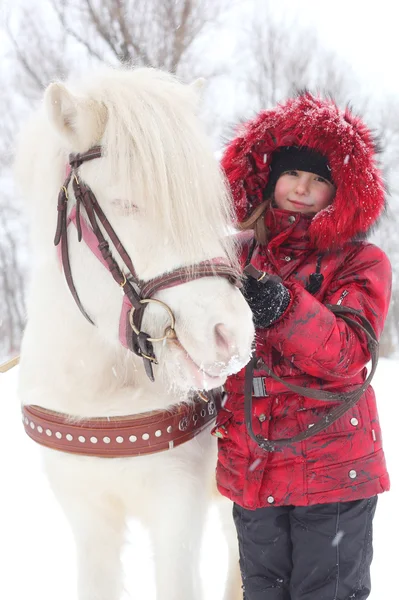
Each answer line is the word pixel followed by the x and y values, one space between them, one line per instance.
pixel 67 366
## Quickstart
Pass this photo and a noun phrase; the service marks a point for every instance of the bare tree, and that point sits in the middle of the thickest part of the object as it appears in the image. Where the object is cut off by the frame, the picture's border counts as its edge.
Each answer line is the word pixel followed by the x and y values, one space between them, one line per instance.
pixel 65 33
pixel 386 120
pixel 283 58
pixel 12 242
pixel 12 281
pixel 147 32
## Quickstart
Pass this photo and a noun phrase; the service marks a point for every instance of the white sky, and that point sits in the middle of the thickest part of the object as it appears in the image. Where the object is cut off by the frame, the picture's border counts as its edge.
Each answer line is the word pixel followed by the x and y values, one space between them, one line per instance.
pixel 363 32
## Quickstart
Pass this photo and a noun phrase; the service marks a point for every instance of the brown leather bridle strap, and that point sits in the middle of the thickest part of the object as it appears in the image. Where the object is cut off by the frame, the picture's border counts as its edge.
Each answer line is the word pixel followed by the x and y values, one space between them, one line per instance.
pixel 91 200
pixel 135 290
pixel 221 268
pixel 75 160
pixel 62 236
pixel 85 196
pixel 137 343
pixel 346 399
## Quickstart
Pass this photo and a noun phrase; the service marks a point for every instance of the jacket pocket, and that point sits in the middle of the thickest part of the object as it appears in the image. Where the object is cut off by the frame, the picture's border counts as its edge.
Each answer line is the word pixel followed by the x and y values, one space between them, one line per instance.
pixel 350 473
pixel 349 422
pixel 223 423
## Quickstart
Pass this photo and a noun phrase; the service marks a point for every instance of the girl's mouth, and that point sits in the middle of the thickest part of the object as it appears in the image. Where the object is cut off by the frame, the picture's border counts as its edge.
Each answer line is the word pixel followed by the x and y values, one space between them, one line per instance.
pixel 299 204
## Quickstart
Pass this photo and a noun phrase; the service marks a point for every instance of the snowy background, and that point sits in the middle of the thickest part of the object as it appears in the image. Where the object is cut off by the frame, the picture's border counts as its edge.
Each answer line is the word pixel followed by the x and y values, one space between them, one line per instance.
pixel 37 546
pixel 347 48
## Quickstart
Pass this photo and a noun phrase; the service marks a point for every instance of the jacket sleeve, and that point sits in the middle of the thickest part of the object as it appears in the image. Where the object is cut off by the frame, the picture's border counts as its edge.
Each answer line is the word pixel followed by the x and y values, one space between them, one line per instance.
pixel 318 342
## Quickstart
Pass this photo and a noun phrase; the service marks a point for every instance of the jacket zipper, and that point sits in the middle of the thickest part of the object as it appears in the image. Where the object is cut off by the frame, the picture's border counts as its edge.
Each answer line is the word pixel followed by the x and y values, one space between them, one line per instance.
pixel 343 295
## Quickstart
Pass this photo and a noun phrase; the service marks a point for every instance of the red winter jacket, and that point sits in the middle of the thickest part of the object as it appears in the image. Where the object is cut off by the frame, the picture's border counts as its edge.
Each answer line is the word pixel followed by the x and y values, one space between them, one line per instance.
pixel 309 346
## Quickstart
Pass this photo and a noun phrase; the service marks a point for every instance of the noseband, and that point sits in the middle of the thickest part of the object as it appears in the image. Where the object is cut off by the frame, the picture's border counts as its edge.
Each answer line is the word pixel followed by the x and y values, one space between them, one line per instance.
pixel 137 293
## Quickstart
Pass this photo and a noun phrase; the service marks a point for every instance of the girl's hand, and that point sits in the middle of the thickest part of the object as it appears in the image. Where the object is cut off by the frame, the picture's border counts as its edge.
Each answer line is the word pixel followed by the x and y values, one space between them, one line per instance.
pixel 267 297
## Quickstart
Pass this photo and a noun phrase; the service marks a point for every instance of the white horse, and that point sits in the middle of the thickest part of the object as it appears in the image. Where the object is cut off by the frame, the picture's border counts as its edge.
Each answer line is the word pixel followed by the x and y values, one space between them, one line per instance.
pixel 165 197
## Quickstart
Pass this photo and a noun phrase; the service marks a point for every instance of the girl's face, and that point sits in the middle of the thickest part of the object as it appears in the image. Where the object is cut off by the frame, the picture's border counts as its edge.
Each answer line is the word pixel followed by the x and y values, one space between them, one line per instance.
pixel 304 192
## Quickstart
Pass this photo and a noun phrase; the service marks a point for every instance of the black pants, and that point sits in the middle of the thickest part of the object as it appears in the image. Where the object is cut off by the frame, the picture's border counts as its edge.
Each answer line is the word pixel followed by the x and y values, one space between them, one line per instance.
pixel 320 552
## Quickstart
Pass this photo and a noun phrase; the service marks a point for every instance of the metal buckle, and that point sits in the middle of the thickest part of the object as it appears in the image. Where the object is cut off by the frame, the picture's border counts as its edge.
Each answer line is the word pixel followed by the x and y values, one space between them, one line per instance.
pixel 169 331
pixel 258 387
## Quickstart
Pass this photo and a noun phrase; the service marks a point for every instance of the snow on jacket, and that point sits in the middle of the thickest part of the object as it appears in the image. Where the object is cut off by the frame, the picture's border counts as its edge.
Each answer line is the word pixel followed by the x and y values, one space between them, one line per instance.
pixel 309 346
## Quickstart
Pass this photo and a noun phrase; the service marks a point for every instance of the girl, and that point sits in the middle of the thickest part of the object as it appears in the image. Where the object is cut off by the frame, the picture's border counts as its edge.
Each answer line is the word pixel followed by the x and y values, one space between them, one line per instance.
pixel 304 178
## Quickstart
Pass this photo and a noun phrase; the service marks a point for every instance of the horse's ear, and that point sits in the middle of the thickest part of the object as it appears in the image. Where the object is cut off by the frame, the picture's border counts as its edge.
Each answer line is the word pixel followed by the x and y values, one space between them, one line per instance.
pixel 198 84
pixel 80 121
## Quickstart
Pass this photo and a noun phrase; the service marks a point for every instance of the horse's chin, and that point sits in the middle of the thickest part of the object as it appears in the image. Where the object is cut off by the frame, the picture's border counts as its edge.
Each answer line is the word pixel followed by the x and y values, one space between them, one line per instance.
pixel 186 375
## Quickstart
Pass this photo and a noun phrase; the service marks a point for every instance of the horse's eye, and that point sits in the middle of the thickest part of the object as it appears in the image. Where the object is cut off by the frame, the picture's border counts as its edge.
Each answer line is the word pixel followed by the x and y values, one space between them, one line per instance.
pixel 124 208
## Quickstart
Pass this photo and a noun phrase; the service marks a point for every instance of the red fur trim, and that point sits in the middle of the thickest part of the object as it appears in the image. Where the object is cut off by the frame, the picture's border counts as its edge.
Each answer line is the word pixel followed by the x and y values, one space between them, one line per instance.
pixel 318 124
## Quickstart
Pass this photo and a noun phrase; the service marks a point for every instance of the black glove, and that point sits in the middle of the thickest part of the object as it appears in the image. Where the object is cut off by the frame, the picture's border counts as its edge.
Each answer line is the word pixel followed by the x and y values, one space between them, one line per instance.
pixel 266 295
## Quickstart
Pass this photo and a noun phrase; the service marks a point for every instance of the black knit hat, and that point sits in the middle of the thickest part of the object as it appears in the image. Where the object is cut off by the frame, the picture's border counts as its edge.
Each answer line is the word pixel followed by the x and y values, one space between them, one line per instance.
pixel 295 158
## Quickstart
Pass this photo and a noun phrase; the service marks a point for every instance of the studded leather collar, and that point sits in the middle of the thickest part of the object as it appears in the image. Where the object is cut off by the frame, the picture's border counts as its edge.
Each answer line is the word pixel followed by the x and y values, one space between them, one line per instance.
pixel 130 435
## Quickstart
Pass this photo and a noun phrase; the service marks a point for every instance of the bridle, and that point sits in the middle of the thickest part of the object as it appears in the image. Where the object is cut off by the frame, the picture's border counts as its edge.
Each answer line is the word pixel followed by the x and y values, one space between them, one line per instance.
pixel 137 293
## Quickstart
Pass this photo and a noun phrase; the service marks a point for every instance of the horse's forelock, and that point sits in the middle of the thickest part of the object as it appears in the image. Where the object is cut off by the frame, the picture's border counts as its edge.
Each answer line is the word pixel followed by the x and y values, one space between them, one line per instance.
pixel 156 144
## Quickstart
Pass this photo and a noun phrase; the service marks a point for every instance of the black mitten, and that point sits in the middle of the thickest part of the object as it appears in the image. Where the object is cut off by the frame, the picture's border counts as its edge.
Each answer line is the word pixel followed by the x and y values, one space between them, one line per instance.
pixel 266 295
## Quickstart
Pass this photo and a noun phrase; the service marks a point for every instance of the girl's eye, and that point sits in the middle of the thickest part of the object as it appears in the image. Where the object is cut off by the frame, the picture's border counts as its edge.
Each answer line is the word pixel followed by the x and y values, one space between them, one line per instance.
pixel 292 172
pixel 321 179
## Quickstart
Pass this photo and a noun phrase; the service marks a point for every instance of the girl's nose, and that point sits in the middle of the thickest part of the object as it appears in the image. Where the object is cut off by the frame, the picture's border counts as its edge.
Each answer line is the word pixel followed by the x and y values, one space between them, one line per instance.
pixel 302 186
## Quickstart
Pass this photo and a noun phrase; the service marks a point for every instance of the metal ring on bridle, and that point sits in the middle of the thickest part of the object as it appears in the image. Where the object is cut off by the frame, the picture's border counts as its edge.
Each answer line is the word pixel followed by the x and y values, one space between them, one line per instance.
pixel 168 330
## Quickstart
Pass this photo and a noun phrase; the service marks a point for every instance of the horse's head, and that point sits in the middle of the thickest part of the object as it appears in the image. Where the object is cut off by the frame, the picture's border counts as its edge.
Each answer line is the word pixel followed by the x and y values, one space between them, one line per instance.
pixel 160 188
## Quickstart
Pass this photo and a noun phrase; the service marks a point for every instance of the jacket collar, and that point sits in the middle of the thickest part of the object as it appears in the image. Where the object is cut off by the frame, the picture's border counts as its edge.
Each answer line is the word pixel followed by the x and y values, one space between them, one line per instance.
pixel 288 228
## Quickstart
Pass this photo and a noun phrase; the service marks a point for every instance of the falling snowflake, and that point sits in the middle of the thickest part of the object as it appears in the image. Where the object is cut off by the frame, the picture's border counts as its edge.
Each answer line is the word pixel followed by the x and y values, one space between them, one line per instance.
pixel 253 465
pixel 338 537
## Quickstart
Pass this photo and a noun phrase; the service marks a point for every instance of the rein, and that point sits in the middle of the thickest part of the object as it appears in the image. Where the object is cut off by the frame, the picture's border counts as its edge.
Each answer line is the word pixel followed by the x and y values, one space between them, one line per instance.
pixel 138 294
pixel 346 400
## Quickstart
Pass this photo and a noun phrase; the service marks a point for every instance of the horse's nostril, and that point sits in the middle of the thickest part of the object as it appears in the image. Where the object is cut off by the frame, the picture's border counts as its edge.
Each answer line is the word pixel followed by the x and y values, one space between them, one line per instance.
pixel 224 339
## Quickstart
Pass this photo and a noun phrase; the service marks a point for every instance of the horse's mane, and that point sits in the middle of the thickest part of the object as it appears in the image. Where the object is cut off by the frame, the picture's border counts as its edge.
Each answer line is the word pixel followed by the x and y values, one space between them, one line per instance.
pixel 159 149
pixel 166 155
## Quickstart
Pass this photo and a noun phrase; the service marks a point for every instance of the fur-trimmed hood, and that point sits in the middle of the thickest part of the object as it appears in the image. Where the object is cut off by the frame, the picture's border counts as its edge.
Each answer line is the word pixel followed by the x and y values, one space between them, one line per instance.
pixel 342 137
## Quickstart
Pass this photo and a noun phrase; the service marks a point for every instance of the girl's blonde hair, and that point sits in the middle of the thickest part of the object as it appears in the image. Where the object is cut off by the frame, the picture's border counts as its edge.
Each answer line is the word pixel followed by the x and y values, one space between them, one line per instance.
pixel 256 221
